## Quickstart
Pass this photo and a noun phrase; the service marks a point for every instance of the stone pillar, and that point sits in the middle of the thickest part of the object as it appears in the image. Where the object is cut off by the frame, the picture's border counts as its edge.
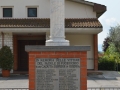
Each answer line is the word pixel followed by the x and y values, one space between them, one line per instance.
pixel 57 27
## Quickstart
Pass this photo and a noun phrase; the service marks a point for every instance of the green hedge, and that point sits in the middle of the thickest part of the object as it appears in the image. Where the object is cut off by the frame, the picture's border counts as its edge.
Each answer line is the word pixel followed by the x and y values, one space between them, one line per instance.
pixel 105 64
pixel 118 66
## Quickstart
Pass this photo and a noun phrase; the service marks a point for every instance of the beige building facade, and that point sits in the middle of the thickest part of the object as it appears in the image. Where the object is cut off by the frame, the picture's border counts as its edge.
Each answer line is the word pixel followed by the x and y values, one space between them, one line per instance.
pixel 28 23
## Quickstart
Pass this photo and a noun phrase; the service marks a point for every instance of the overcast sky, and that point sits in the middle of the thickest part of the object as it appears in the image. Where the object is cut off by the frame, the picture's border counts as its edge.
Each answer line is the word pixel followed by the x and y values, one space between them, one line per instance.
pixel 110 18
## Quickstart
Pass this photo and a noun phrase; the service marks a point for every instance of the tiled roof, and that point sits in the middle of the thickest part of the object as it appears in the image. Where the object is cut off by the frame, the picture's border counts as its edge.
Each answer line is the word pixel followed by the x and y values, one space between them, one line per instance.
pixel 83 23
pixel 45 23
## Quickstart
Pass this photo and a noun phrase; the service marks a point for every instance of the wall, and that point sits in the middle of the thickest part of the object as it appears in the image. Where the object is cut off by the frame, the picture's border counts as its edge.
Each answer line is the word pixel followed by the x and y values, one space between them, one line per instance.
pixel 77 10
pixel 0 45
pixel 0 40
pixel 80 39
pixel 72 9
pixel 8 40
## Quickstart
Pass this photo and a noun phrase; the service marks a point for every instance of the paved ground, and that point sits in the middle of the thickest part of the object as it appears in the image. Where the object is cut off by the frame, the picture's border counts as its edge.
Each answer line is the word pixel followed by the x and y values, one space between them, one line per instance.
pixel 14 81
pixel 107 79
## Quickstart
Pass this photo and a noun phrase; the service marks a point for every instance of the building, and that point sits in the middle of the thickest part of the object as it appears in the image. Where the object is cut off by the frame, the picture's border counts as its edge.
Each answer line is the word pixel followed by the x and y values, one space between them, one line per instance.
pixel 28 23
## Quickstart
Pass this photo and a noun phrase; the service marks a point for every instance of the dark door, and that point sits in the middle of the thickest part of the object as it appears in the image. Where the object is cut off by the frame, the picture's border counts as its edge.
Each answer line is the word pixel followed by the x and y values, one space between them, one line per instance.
pixel 23 55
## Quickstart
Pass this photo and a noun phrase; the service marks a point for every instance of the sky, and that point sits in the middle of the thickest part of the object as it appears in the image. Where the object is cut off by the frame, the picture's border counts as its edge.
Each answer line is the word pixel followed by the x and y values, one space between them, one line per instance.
pixel 109 19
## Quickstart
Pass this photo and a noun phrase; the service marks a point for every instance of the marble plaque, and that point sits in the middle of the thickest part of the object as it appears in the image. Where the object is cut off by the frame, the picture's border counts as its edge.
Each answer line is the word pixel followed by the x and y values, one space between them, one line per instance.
pixel 57 74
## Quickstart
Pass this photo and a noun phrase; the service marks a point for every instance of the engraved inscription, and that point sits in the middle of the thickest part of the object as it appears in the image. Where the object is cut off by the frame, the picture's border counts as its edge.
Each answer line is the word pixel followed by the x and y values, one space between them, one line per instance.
pixel 57 74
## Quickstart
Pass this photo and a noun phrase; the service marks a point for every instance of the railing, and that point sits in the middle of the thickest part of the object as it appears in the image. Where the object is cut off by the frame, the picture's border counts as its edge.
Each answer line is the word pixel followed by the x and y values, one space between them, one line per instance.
pixel 103 88
pixel 14 88
pixel 89 88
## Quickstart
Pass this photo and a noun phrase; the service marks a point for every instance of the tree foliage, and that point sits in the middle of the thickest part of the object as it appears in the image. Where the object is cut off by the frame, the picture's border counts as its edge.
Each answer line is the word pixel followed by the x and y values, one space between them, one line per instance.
pixel 111 52
pixel 113 37
pixel 114 34
pixel 111 48
pixel 106 43
pixel 110 59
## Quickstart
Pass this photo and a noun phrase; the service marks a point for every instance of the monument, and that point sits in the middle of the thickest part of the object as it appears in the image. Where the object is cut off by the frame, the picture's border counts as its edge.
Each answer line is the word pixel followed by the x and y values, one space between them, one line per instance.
pixel 57 66
pixel 57 24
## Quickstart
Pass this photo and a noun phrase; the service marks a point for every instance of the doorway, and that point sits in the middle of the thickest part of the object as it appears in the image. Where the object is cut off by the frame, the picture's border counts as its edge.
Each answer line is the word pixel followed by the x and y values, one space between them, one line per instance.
pixel 23 55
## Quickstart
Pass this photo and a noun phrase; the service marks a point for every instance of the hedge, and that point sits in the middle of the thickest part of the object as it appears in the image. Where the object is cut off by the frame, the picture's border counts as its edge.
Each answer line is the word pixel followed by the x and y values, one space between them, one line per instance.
pixel 118 66
pixel 105 64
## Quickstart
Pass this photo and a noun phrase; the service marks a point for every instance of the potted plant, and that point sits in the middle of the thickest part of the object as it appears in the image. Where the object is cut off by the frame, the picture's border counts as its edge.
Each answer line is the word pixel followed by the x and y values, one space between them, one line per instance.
pixel 6 60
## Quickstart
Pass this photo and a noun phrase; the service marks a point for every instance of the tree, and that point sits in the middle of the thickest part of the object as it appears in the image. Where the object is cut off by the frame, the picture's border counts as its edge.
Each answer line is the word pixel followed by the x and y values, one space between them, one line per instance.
pixel 114 34
pixel 111 48
pixel 106 43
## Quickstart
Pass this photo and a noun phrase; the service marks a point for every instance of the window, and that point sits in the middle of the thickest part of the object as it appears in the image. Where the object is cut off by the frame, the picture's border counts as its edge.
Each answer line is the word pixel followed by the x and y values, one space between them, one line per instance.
pixel 7 12
pixel 32 12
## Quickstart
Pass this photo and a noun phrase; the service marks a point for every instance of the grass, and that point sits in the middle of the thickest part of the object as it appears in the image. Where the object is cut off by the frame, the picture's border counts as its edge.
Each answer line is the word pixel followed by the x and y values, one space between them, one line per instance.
pixel 119 72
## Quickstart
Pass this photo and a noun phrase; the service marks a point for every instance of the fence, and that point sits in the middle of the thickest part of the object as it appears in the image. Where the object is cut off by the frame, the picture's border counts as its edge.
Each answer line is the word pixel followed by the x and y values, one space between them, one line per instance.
pixel 89 88
pixel 103 88
pixel 14 88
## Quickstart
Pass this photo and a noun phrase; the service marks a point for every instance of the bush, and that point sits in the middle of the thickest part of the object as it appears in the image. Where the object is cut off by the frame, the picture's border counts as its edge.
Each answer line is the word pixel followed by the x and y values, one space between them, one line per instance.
pixel 118 66
pixel 106 64
pixel 110 59
pixel 6 58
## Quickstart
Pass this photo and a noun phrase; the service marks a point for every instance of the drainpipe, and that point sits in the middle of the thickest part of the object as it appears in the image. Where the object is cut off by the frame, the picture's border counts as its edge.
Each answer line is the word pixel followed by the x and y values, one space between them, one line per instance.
pixel 2 38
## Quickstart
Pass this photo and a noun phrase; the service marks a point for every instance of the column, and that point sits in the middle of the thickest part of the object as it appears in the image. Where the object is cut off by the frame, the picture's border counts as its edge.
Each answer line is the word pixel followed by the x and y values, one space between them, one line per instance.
pixel 95 38
pixel 57 21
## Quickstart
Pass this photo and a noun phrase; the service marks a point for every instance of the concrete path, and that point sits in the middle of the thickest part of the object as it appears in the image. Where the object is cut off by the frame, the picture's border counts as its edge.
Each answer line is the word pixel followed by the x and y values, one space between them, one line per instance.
pixel 107 79
pixel 14 81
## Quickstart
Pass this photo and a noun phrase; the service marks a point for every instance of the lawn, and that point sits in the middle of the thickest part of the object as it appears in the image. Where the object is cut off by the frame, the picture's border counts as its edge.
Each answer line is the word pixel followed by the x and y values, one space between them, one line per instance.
pixel 119 72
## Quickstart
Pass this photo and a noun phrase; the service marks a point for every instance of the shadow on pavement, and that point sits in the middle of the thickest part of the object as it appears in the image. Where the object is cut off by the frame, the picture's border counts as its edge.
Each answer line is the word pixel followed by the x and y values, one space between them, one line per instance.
pixel 14 77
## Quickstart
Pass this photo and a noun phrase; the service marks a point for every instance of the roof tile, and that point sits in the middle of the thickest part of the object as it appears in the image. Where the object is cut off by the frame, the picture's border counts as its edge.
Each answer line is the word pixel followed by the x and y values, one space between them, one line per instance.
pixel 45 23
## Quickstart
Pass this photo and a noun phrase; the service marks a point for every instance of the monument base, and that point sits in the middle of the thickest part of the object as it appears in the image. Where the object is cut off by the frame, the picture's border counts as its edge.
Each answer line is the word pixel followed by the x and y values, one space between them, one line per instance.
pixel 57 43
pixel 57 67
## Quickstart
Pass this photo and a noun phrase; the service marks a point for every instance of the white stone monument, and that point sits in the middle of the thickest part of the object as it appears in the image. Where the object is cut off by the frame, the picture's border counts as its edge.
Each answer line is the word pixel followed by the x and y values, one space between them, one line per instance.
pixel 57 24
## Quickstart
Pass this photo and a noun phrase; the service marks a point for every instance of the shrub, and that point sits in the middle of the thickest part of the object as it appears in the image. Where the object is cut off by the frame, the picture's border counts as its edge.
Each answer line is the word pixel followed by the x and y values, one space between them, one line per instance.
pixel 6 58
pixel 118 66
pixel 106 64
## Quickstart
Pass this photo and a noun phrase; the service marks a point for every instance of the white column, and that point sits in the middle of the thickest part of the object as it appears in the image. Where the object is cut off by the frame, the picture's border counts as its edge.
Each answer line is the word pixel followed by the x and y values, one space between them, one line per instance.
pixel 57 21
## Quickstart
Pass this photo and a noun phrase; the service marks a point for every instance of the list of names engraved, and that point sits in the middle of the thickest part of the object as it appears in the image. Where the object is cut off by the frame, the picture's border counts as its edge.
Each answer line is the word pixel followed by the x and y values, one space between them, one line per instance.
pixel 57 74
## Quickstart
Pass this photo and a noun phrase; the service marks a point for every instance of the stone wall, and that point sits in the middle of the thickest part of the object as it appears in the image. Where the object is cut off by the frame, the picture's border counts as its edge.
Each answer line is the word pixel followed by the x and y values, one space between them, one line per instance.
pixel 8 40
pixel 0 40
